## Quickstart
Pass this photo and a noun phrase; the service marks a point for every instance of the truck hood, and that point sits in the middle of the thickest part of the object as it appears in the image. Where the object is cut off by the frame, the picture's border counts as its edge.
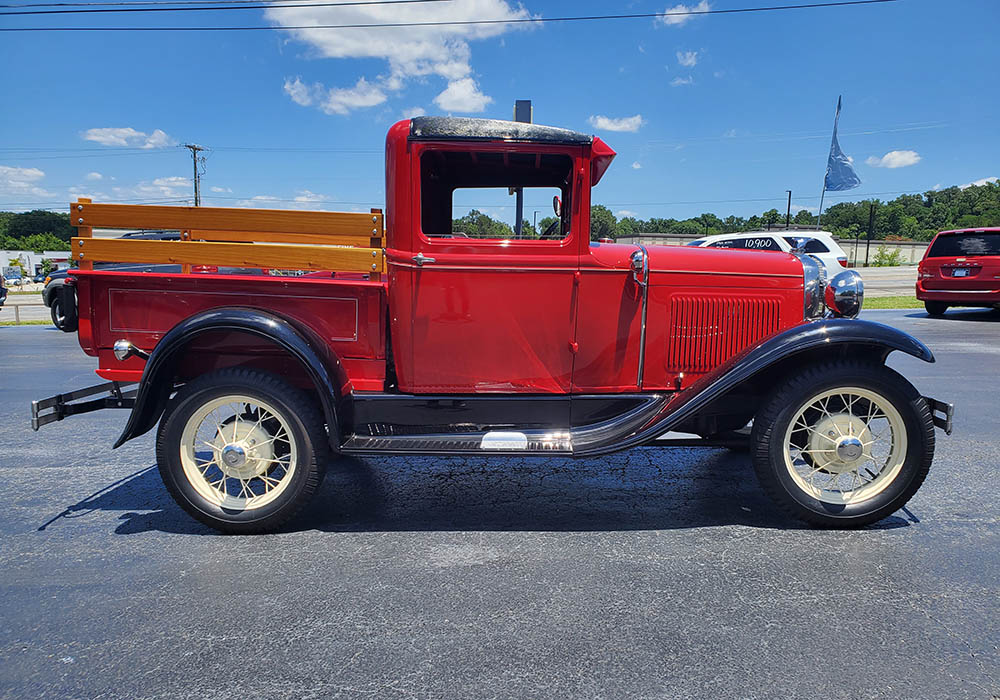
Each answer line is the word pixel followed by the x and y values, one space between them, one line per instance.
pixel 678 264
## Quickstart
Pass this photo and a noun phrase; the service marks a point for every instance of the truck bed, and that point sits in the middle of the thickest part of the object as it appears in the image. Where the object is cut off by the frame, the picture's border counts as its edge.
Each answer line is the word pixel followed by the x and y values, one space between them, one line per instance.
pixel 342 311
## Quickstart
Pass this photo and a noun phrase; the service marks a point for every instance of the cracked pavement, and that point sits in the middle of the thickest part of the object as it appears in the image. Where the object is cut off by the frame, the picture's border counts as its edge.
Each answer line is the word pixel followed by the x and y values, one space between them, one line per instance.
pixel 656 573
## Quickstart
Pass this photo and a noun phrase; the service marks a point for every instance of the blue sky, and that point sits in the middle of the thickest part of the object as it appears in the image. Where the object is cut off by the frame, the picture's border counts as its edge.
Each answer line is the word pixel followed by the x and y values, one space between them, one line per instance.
pixel 719 113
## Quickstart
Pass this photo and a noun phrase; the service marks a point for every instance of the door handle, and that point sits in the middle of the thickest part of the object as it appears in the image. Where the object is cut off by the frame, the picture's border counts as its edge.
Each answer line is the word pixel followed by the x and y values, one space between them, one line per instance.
pixel 420 259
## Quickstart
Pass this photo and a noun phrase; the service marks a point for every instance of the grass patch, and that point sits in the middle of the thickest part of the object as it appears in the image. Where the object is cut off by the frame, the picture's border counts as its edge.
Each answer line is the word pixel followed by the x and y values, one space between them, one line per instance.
pixel 23 294
pixel 905 302
pixel 26 323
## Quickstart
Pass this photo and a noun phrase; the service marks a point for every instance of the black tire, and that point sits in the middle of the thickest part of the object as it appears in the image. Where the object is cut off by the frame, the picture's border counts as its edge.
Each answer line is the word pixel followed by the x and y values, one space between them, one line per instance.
pixel 935 308
pixel 306 429
pixel 58 318
pixel 783 404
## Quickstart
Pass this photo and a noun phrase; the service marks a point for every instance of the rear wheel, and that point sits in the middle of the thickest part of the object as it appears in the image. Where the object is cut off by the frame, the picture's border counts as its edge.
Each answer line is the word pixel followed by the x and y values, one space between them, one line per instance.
pixel 935 308
pixel 242 451
pixel 843 444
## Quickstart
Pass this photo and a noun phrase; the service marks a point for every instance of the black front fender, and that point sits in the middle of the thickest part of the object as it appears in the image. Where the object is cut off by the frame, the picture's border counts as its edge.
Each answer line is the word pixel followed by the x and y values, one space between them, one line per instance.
pixel 156 384
pixel 875 339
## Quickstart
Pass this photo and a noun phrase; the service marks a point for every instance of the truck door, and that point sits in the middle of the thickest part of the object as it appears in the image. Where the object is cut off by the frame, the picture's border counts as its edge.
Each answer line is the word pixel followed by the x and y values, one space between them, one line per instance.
pixel 492 305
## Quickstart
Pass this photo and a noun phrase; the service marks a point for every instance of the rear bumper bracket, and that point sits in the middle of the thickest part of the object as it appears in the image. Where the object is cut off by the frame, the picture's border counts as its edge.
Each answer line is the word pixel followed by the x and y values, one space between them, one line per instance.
pixel 55 408
pixel 942 413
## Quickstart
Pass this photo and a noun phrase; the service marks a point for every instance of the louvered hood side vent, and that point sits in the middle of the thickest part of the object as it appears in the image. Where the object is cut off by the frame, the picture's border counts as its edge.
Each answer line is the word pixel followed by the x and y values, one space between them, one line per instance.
pixel 705 331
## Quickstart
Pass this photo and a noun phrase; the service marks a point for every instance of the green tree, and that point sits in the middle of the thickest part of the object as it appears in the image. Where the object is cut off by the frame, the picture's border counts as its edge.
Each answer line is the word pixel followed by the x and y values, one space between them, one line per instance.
pixel 602 222
pixel 476 224
pixel 732 224
pixel 770 217
pixel 804 218
pixel 39 221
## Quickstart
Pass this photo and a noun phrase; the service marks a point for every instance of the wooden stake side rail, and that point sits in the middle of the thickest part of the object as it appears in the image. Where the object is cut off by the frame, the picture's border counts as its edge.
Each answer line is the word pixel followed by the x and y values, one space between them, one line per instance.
pixel 265 255
pixel 354 224
pixel 339 241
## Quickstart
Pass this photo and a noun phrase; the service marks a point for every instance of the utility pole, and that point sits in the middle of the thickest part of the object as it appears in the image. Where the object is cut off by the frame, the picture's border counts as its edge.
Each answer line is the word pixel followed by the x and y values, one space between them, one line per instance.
pixel 871 230
pixel 788 212
pixel 522 113
pixel 195 149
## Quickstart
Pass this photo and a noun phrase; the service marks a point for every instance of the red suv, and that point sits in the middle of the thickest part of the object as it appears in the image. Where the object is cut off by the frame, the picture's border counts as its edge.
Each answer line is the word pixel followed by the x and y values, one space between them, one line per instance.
pixel 960 268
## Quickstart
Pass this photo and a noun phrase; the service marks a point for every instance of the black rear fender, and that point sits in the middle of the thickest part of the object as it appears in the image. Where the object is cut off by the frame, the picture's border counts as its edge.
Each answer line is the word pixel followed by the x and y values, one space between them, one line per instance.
pixel 311 359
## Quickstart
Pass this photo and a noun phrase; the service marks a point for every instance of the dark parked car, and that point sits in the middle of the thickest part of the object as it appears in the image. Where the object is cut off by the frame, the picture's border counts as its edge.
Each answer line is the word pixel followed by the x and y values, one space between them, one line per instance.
pixel 52 299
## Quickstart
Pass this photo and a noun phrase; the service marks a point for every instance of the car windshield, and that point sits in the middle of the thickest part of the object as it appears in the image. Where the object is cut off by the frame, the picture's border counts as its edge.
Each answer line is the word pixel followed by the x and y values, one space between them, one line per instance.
pixel 955 244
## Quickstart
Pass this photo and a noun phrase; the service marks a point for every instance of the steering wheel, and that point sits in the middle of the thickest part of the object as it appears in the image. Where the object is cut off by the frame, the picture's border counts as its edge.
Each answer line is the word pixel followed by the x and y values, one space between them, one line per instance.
pixel 550 230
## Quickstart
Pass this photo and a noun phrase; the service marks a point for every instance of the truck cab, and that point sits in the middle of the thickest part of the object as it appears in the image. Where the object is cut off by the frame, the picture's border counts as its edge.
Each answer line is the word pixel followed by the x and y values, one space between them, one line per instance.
pixel 412 336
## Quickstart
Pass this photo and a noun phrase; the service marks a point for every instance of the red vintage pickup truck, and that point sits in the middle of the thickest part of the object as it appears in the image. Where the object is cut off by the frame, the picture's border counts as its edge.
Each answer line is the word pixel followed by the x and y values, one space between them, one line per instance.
pixel 410 337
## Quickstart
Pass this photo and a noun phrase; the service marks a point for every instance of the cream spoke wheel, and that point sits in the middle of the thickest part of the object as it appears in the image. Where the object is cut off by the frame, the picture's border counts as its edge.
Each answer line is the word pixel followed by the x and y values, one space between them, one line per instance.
pixel 237 452
pixel 845 445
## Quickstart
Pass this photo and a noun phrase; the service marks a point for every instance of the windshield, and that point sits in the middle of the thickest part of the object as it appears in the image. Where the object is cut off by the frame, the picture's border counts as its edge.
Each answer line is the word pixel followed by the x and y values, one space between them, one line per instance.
pixel 956 244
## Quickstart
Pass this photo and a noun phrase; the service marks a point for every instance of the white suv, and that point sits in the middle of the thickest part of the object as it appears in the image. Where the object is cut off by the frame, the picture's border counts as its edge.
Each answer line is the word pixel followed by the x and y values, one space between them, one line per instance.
pixel 819 244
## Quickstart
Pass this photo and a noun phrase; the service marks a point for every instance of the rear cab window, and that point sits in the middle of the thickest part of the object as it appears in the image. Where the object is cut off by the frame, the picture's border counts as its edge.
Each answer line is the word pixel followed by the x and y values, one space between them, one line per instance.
pixel 472 195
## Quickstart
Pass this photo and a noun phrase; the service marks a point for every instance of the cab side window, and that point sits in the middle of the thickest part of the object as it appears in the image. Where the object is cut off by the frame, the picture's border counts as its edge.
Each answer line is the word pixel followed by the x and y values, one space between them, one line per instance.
pixel 473 194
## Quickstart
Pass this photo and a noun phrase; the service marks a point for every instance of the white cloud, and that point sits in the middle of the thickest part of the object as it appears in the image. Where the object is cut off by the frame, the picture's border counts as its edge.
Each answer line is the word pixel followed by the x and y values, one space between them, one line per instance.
pixel 625 212
pixel 462 95
pixel 718 73
pixel 616 124
pixel 93 176
pixel 673 17
pixel 221 190
pixel 409 52
pixel 411 112
pixel 127 136
pixel 308 196
pixel 688 59
pixel 678 81
pixel 977 183
pixel 636 165
pixel 304 199
pixel 730 134
pixel 171 187
pixel 22 181
pixel 300 93
pixel 796 209
pixel 894 159
pixel 343 100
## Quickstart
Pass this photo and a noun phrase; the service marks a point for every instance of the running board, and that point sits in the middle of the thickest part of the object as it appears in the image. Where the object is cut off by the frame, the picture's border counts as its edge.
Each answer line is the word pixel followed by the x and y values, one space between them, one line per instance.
pixel 514 439
pixel 493 442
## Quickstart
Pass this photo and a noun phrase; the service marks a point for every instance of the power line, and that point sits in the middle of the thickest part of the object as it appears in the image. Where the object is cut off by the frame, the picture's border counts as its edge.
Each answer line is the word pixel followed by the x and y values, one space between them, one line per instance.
pixel 222 5
pixel 454 23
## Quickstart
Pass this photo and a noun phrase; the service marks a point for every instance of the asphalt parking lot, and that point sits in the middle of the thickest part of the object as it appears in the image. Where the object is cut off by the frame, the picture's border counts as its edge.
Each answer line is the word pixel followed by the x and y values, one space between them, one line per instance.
pixel 657 573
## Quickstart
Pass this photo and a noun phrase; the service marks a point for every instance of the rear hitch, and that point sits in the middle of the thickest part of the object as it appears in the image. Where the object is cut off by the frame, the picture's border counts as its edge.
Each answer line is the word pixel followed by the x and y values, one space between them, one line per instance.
pixel 941 413
pixel 61 405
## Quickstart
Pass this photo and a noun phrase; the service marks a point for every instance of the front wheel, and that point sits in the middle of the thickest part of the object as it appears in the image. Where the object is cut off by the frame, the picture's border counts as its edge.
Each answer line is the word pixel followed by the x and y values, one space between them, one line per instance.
pixel 241 450
pixel 843 444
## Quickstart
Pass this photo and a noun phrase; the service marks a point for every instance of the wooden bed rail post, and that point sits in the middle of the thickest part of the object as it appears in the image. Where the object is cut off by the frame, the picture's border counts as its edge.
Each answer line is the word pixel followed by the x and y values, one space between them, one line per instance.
pixel 377 241
pixel 81 231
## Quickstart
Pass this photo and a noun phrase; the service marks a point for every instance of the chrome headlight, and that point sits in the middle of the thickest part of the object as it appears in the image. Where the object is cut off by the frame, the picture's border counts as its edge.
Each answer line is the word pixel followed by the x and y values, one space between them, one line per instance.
pixel 845 294
pixel 813 283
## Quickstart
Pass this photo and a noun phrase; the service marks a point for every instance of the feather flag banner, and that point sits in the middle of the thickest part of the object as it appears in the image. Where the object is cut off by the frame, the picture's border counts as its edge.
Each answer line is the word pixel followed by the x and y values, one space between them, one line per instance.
pixel 840 173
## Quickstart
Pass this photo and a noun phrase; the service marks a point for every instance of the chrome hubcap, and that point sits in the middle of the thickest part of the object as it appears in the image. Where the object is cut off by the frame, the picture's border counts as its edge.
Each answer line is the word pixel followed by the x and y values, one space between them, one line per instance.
pixel 849 449
pixel 238 452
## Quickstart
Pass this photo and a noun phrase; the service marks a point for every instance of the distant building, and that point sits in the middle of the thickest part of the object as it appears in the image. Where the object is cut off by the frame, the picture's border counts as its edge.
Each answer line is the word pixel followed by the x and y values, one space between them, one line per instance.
pixel 33 261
